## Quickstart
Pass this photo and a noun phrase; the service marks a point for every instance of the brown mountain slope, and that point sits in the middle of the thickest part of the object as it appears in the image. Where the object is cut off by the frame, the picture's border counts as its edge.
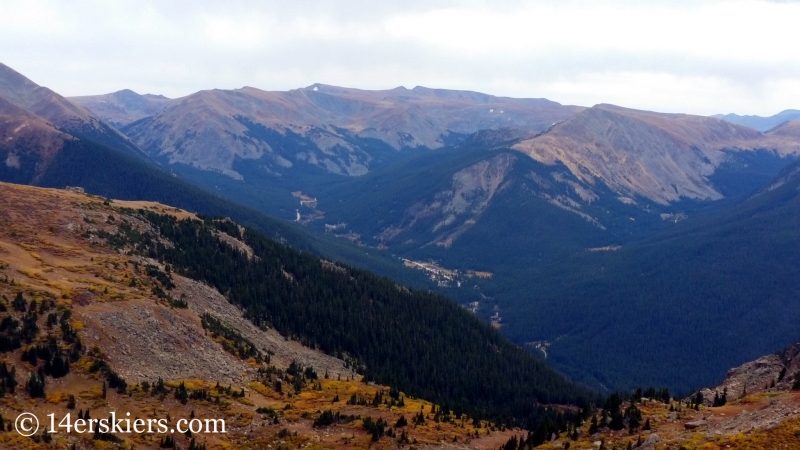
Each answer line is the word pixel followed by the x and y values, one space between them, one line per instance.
pixel 40 100
pixel 122 107
pixel 28 143
pixel 67 116
pixel 99 307
pixel 206 129
pixel 789 129
pixel 662 157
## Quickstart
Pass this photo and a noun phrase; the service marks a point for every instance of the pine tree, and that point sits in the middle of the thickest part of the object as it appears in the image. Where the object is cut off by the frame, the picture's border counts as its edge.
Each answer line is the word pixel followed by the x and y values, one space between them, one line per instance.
pixel 593 426
pixel 181 394
pixel 19 302
pixel 35 386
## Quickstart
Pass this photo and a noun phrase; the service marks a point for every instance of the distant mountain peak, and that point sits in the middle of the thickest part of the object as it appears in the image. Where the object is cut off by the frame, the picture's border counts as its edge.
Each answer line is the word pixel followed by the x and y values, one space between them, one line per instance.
pixel 761 123
pixel 124 106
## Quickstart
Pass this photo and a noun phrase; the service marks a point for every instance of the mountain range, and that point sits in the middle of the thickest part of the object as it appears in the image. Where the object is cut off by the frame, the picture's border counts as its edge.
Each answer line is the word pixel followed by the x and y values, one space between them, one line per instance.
pixel 321 126
pixel 762 123
pixel 569 228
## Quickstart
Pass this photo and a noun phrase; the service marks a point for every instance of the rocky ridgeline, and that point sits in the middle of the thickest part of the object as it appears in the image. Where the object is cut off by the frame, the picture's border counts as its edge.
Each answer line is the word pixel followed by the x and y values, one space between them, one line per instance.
pixel 776 372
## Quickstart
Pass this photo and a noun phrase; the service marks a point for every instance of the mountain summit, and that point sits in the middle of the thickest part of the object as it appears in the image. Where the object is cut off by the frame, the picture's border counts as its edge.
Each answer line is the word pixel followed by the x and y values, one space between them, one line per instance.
pixel 123 107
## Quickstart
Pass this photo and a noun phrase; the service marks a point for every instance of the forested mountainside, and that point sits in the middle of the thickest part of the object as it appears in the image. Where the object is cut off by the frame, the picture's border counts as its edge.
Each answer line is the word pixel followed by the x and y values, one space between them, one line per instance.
pixel 683 305
pixel 420 342
pixel 87 330
pixel 124 282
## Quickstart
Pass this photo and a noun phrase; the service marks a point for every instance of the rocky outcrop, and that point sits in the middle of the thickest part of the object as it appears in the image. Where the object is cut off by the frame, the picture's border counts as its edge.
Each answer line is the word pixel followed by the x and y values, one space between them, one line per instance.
pixel 651 442
pixel 749 378
pixel 457 208
pixel 205 299
pixel 695 424
pixel 778 410
pixel 776 372
pixel 172 342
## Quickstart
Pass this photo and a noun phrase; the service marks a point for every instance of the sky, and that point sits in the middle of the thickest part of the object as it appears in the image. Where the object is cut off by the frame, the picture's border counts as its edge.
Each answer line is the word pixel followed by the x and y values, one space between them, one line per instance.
pixel 699 57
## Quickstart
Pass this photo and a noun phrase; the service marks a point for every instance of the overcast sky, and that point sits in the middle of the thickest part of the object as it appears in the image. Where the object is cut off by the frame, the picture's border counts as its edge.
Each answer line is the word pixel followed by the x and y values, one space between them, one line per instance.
pixel 674 56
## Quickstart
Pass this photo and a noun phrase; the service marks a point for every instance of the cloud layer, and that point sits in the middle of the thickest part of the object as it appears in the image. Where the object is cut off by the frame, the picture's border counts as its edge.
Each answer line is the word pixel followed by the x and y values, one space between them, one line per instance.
pixel 677 56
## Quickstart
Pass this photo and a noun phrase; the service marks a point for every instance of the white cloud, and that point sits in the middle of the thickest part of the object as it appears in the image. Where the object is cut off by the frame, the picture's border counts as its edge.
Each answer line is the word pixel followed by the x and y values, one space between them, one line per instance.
pixel 720 30
pixel 700 57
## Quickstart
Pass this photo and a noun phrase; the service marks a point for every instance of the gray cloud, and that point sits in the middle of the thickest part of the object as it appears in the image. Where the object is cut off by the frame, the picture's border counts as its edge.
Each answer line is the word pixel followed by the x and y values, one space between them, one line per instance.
pixel 671 56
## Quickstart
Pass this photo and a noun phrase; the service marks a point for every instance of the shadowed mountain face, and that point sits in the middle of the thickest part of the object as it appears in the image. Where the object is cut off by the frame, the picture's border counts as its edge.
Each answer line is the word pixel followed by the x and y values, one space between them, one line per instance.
pixel 709 293
pixel 761 123
pixel 122 107
pixel 338 130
